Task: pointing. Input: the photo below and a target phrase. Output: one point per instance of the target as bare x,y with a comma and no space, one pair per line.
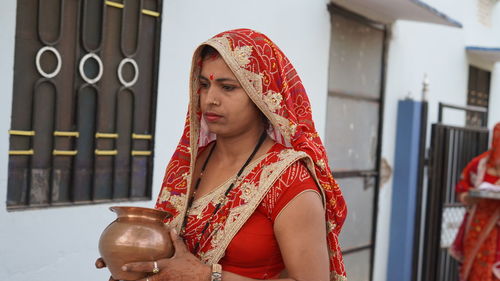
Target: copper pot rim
141,210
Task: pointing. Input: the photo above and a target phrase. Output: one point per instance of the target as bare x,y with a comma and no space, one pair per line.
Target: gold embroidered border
310,166
194,130
335,277
481,170
201,203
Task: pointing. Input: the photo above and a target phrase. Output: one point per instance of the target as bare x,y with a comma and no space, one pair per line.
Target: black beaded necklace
219,205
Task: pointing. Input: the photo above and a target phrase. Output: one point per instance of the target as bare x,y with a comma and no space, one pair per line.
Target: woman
477,245
249,184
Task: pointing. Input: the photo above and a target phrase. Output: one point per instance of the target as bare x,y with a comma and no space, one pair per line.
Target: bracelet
216,272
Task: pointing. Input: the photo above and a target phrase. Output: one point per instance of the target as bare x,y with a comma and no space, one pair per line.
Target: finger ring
155,268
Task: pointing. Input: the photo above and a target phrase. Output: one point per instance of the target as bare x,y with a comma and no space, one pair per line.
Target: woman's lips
212,117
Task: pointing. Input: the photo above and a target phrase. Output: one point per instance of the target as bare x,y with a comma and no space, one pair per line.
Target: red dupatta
494,153
473,174
274,86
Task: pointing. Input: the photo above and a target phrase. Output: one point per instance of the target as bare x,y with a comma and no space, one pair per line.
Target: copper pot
137,235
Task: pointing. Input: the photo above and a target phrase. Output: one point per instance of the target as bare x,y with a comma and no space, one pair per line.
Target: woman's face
226,107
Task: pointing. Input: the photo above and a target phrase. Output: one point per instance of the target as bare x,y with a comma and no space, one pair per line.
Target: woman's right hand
99,263
466,199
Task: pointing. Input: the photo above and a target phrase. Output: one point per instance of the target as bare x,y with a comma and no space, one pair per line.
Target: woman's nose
211,94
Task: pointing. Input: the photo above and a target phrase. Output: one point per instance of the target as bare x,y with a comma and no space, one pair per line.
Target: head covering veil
274,86
494,152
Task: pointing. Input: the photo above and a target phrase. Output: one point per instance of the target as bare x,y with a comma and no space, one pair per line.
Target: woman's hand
99,263
182,266
466,199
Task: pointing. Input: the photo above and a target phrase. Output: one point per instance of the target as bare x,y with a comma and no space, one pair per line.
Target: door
353,133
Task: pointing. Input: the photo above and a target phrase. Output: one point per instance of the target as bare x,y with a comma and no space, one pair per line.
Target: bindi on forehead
216,71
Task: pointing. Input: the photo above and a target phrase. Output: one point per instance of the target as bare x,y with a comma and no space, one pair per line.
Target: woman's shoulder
474,163
294,180
295,170
283,152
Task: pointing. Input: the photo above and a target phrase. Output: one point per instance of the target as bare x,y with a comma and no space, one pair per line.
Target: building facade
356,60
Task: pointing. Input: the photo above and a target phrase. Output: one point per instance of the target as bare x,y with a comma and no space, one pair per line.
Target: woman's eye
228,87
203,85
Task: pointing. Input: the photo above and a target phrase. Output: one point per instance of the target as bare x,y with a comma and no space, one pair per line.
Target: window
478,95
84,102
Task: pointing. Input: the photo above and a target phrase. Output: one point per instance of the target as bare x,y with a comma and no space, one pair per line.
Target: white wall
59,244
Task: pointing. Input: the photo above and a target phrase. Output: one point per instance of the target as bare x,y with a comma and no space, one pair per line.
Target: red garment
254,252
272,83
494,157
481,223
470,173
487,255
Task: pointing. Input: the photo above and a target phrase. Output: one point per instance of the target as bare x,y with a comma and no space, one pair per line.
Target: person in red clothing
249,185
477,245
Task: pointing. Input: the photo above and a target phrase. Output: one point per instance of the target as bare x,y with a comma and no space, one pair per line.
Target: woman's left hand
181,266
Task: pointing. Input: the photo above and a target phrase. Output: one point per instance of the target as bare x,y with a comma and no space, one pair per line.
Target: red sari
240,234
477,244
253,252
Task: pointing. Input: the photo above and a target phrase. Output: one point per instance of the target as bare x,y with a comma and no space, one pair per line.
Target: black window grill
84,102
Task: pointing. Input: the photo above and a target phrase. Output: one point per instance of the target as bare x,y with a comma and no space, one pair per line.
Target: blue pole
404,191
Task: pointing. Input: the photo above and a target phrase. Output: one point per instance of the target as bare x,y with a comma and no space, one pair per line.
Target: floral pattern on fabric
482,262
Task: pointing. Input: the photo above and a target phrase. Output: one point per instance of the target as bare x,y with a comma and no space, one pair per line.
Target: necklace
219,205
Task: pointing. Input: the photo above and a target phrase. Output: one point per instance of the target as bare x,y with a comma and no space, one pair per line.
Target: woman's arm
300,229
466,183
464,198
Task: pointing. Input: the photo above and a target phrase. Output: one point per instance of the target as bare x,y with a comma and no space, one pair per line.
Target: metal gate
452,147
